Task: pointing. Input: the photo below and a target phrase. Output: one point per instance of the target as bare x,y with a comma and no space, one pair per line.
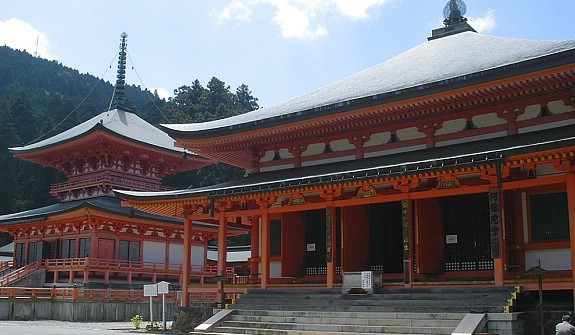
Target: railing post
53,292
75,292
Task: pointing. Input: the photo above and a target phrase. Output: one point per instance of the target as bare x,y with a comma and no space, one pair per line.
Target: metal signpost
163,289
151,291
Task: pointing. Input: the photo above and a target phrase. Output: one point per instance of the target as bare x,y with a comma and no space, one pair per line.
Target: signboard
151,290
450,239
163,287
311,247
366,282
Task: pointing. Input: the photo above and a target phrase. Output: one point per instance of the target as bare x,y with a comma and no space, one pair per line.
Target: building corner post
187,261
570,185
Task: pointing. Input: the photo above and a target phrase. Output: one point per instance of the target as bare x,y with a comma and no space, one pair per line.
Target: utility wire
145,87
77,106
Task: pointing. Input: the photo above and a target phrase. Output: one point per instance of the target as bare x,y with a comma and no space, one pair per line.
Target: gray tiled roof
434,61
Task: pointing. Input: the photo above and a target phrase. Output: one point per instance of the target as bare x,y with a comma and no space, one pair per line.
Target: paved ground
45,327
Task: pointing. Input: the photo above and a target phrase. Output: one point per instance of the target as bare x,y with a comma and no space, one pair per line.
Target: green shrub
137,320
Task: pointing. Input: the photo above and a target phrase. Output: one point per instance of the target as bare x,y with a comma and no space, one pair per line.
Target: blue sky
279,48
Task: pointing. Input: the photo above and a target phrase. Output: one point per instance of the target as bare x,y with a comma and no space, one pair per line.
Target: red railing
80,293
20,273
6,265
108,177
134,266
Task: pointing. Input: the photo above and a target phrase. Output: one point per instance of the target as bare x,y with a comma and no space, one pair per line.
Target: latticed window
68,248
549,216
129,251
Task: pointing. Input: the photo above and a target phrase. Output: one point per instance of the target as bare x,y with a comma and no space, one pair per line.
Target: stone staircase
389,311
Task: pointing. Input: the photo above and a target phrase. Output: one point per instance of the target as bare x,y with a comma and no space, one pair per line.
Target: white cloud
162,92
236,10
357,9
303,19
20,35
484,24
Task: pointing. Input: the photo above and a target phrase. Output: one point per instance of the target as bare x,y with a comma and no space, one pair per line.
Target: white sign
366,282
311,247
151,290
163,287
450,239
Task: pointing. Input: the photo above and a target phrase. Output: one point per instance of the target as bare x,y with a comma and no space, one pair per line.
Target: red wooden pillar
407,219
265,259
255,250
570,181
187,261
222,243
498,247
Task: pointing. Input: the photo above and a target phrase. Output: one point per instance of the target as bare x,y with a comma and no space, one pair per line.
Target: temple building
88,238
451,163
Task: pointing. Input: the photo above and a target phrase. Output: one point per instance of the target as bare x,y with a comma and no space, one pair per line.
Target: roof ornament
453,12
454,20
120,78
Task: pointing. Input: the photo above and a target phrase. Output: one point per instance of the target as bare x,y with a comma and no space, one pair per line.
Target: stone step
387,297
372,302
348,321
353,314
283,332
336,328
258,331
375,308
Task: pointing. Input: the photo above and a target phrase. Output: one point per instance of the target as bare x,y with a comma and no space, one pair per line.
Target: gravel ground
123,326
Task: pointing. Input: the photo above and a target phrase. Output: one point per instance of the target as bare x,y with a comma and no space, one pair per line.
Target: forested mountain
40,98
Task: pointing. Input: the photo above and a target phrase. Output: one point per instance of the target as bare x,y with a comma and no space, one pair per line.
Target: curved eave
39,154
488,151
506,71
44,213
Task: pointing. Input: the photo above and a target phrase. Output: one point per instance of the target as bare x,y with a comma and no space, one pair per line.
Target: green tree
23,117
8,138
245,99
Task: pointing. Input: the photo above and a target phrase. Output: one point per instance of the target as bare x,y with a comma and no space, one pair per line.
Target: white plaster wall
409,134
276,167
377,139
394,151
451,126
275,269
154,252
328,160
470,139
198,256
551,259
176,254
314,149
487,120
549,125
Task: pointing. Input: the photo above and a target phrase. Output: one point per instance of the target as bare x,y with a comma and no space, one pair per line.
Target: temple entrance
385,227
315,257
468,245
453,234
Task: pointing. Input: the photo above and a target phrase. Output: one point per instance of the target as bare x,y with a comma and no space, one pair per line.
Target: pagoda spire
120,78
454,20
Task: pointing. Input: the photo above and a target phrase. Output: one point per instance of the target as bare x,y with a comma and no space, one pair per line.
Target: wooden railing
136,266
20,273
111,177
5,265
80,293
109,264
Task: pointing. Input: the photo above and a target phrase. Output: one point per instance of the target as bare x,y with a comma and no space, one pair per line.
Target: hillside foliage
41,98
